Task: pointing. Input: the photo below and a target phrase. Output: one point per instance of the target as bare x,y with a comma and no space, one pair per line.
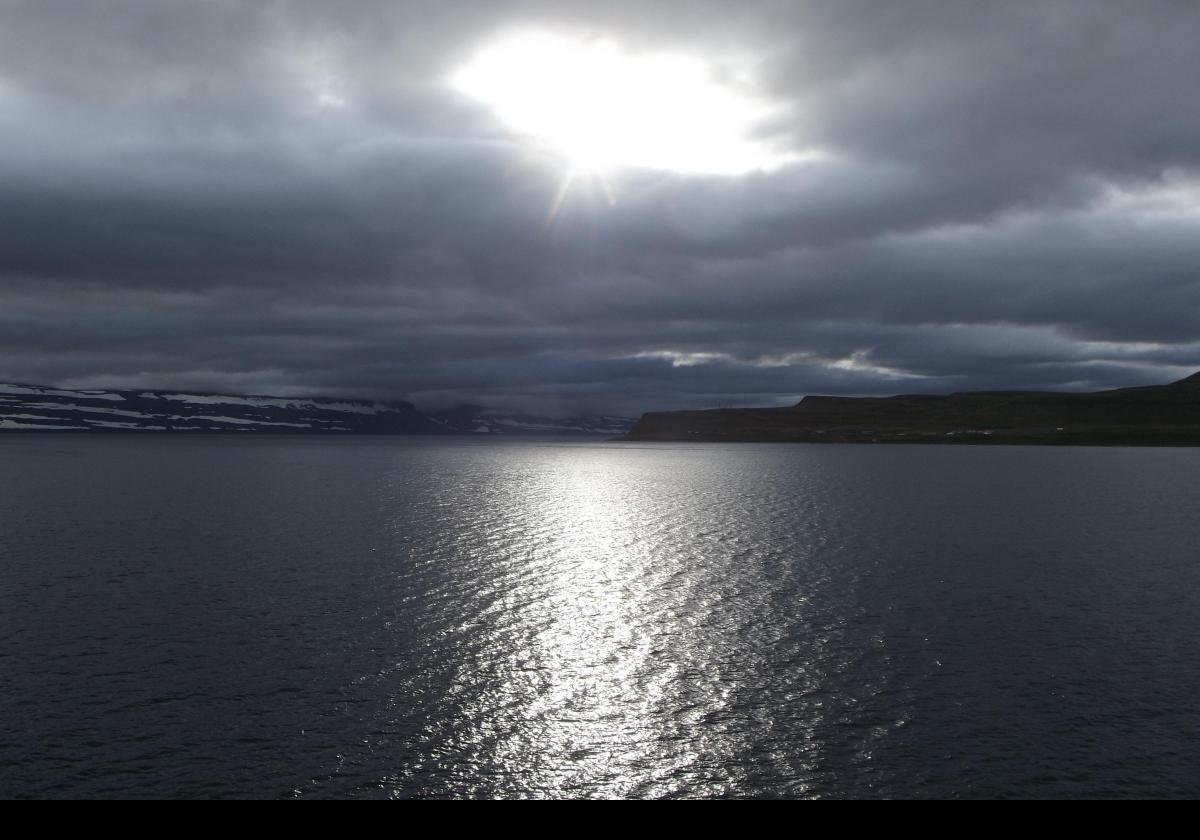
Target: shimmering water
399,618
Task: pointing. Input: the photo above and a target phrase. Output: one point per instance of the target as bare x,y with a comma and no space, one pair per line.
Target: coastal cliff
1151,415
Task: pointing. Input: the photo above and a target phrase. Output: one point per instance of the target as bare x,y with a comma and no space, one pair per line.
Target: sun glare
603,108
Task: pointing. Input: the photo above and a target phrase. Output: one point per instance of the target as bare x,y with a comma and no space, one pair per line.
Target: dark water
399,618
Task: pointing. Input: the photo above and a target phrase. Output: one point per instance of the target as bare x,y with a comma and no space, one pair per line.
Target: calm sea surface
306,617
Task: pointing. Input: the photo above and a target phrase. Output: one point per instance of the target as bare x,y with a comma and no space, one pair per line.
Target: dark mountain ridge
35,408
1146,415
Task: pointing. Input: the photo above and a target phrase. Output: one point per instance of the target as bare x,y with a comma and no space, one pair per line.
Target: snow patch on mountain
32,407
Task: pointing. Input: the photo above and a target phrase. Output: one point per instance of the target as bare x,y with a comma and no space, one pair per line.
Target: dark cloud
289,197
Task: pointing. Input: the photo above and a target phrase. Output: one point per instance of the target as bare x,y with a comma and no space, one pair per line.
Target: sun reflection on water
586,706
593,642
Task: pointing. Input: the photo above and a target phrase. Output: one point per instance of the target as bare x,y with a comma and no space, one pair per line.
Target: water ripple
421,619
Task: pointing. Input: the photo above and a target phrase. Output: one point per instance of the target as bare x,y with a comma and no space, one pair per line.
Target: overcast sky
292,197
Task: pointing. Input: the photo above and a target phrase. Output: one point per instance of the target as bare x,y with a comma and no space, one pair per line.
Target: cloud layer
290,197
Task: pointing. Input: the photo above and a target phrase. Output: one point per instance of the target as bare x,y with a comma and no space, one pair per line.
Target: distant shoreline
45,410
1157,415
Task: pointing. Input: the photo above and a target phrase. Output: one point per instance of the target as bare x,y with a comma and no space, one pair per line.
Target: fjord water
306,617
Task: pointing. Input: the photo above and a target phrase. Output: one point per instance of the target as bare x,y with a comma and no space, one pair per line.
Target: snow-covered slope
35,408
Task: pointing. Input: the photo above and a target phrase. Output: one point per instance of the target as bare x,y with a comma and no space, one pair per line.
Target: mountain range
42,409
1151,415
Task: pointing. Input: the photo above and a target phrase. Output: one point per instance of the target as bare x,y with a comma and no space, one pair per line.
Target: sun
602,108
